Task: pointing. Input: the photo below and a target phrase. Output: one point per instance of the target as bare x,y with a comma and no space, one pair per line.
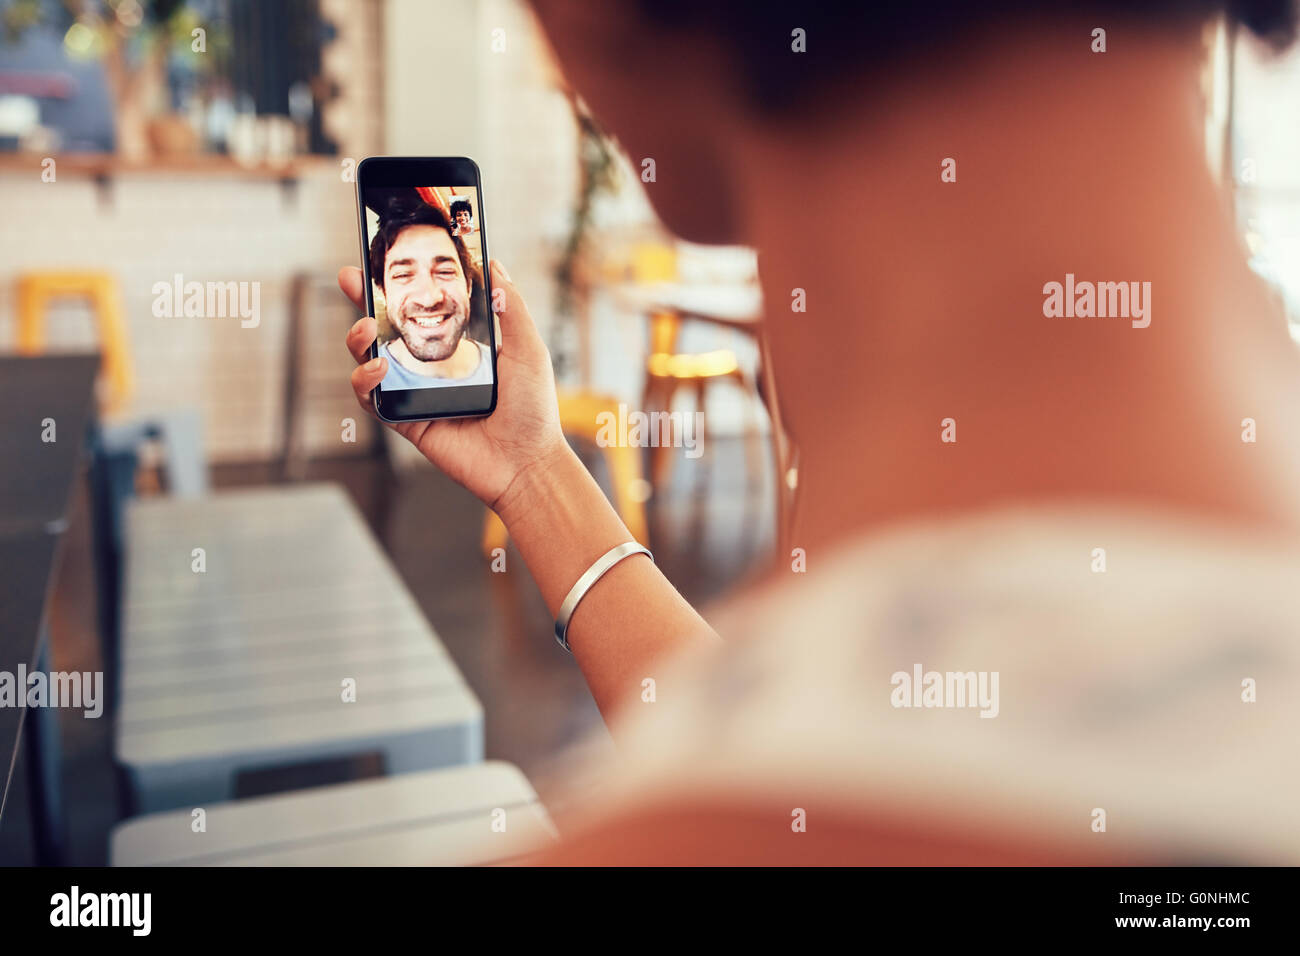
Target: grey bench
241,667
481,814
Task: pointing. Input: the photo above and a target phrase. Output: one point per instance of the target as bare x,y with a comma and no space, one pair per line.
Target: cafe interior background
231,163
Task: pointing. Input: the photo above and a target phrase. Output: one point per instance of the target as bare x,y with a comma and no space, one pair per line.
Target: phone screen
428,286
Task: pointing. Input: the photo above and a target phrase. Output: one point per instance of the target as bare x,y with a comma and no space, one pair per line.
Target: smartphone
424,254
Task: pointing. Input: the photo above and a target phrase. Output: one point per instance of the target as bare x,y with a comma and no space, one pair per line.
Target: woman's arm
518,462
632,617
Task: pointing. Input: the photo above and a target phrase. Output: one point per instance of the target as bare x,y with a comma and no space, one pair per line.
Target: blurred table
37,477
36,485
732,305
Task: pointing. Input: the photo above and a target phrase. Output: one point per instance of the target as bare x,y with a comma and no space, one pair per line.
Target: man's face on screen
426,292
462,220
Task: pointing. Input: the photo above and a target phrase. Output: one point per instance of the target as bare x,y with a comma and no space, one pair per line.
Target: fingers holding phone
370,370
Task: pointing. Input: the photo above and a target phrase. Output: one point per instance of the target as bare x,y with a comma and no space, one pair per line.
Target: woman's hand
486,455
517,461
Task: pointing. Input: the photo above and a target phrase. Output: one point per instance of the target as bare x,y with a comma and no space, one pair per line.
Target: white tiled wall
207,230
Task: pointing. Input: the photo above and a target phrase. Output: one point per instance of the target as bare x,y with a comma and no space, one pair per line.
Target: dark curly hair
849,37
461,205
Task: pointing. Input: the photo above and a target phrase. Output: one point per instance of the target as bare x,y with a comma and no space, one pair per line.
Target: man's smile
428,321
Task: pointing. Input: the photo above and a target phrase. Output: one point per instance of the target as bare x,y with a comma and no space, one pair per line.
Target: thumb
353,285
519,333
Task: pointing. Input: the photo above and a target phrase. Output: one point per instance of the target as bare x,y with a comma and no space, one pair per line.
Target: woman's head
683,82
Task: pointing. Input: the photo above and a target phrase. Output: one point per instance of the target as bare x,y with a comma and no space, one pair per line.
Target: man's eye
447,274
401,275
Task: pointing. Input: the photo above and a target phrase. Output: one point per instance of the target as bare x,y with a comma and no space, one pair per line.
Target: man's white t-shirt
400,377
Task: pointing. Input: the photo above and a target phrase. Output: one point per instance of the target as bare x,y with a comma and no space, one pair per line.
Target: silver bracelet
593,574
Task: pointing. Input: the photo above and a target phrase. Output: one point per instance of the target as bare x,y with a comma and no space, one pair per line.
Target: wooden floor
711,526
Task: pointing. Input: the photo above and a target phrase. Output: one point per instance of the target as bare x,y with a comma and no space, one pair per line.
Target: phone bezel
423,404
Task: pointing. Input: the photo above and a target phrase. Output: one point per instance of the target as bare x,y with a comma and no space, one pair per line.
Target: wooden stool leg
661,455
31,318
113,340
701,406
754,464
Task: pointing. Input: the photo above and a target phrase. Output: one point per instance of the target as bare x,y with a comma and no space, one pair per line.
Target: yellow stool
37,289
579,411
667,370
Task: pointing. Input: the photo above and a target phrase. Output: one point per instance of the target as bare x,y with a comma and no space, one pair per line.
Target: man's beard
427,349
